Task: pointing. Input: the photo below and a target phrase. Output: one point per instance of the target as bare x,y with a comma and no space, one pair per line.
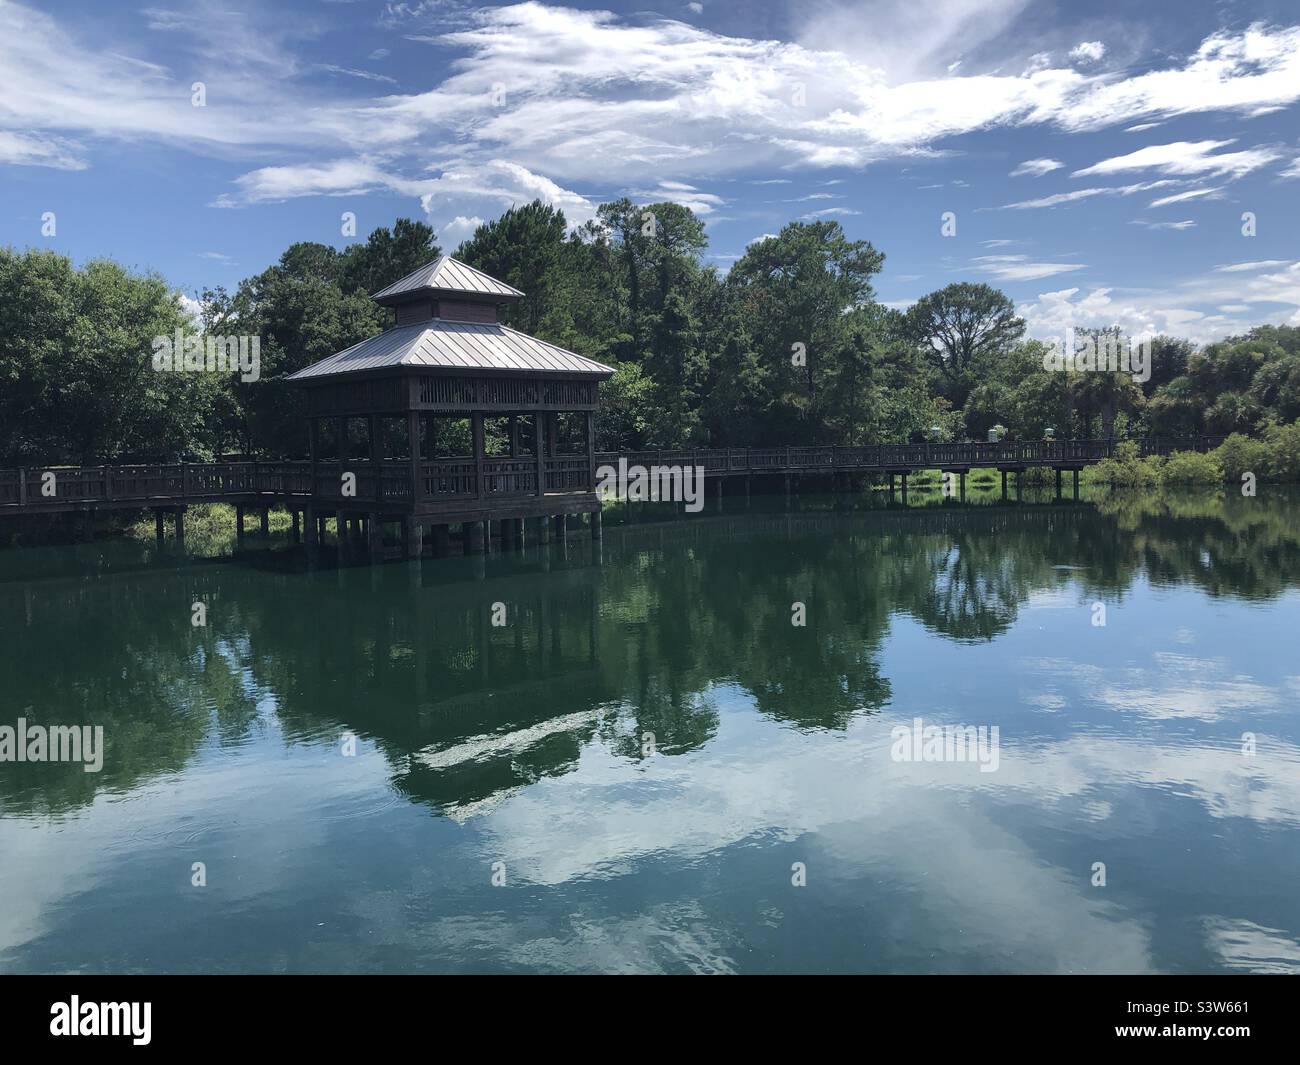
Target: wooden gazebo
452,418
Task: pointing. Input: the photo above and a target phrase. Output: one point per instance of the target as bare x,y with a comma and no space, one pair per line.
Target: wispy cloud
1036,167
1058,198
681,193
1258,264
36,149
1185,157
1021,268
1190,194
828,212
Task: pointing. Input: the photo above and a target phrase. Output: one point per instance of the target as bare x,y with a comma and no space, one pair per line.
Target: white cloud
339,177
1020,267
1190,194
503,184
828,212
1058,198
606,99
701,203
1185,157
1036,167
191,308
33,149
1186,223
1291,171
364,75
1088,52
1259,264
1192,308
458,229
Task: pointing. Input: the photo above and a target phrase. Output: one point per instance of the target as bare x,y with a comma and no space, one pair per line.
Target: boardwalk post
472,534
441,540
595,524
412,537
158,524
543,530
560,528
239,525
296,534
375,529
22,486
1004,484
1058,482
180,526
1075,471
266,523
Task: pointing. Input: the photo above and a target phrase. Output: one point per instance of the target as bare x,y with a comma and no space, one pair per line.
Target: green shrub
1240,454
1283,446
1126,469
1192,467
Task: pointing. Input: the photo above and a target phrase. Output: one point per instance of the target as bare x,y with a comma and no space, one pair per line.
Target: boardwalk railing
458,478
897,457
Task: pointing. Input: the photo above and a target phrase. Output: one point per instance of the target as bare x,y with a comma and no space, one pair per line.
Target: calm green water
523,745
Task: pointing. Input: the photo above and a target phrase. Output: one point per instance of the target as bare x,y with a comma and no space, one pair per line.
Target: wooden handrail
150,484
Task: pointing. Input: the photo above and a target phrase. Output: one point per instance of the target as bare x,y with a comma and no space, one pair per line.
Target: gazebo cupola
446,289
451,416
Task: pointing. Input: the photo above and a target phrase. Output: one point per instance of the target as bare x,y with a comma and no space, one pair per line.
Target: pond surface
649,767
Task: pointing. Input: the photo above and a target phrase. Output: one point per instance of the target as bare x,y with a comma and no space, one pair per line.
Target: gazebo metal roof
451,276
461,347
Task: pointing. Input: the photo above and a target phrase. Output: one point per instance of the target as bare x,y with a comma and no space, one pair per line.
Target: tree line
790,346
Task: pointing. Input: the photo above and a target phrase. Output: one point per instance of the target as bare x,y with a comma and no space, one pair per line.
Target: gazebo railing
510,476
449,478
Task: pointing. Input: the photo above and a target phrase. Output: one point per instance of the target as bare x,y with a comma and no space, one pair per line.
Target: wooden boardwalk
496,482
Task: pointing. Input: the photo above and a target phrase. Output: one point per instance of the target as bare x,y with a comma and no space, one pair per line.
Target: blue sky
1098,158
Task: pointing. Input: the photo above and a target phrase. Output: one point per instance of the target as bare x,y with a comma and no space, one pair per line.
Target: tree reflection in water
643,635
